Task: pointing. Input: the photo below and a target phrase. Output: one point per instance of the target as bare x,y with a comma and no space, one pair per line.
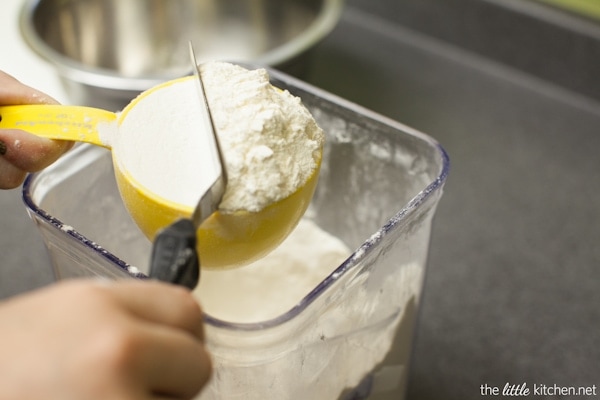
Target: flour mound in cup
271,143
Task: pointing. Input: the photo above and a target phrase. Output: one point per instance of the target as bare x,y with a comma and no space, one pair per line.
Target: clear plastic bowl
351,336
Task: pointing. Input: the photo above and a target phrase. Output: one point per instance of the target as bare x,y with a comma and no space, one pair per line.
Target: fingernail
2,148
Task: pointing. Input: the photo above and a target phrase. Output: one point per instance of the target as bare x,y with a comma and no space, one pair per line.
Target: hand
22,152
94,340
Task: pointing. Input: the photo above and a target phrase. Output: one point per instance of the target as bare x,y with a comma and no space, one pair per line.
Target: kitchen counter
513,287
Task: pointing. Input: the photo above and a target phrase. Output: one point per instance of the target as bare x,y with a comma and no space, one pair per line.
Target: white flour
270,142
272,285
161,142
357,341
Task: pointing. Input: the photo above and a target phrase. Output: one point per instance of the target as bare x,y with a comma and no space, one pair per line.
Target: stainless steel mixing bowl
107,51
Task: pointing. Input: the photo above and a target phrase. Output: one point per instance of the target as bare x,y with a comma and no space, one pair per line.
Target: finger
29,152
161,303
13,92
10,176
174,365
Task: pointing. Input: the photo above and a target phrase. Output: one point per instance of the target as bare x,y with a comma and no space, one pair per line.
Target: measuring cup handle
75,123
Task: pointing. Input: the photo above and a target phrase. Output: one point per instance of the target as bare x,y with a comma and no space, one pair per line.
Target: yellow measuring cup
225,240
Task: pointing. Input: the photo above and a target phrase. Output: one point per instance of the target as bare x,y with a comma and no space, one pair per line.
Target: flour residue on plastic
107,131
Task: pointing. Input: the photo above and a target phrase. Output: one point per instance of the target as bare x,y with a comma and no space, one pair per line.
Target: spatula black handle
174,256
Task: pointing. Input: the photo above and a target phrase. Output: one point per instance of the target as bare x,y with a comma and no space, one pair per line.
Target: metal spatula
174,256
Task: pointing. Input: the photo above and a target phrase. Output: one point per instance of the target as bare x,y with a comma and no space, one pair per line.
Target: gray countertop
513,287
25,264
